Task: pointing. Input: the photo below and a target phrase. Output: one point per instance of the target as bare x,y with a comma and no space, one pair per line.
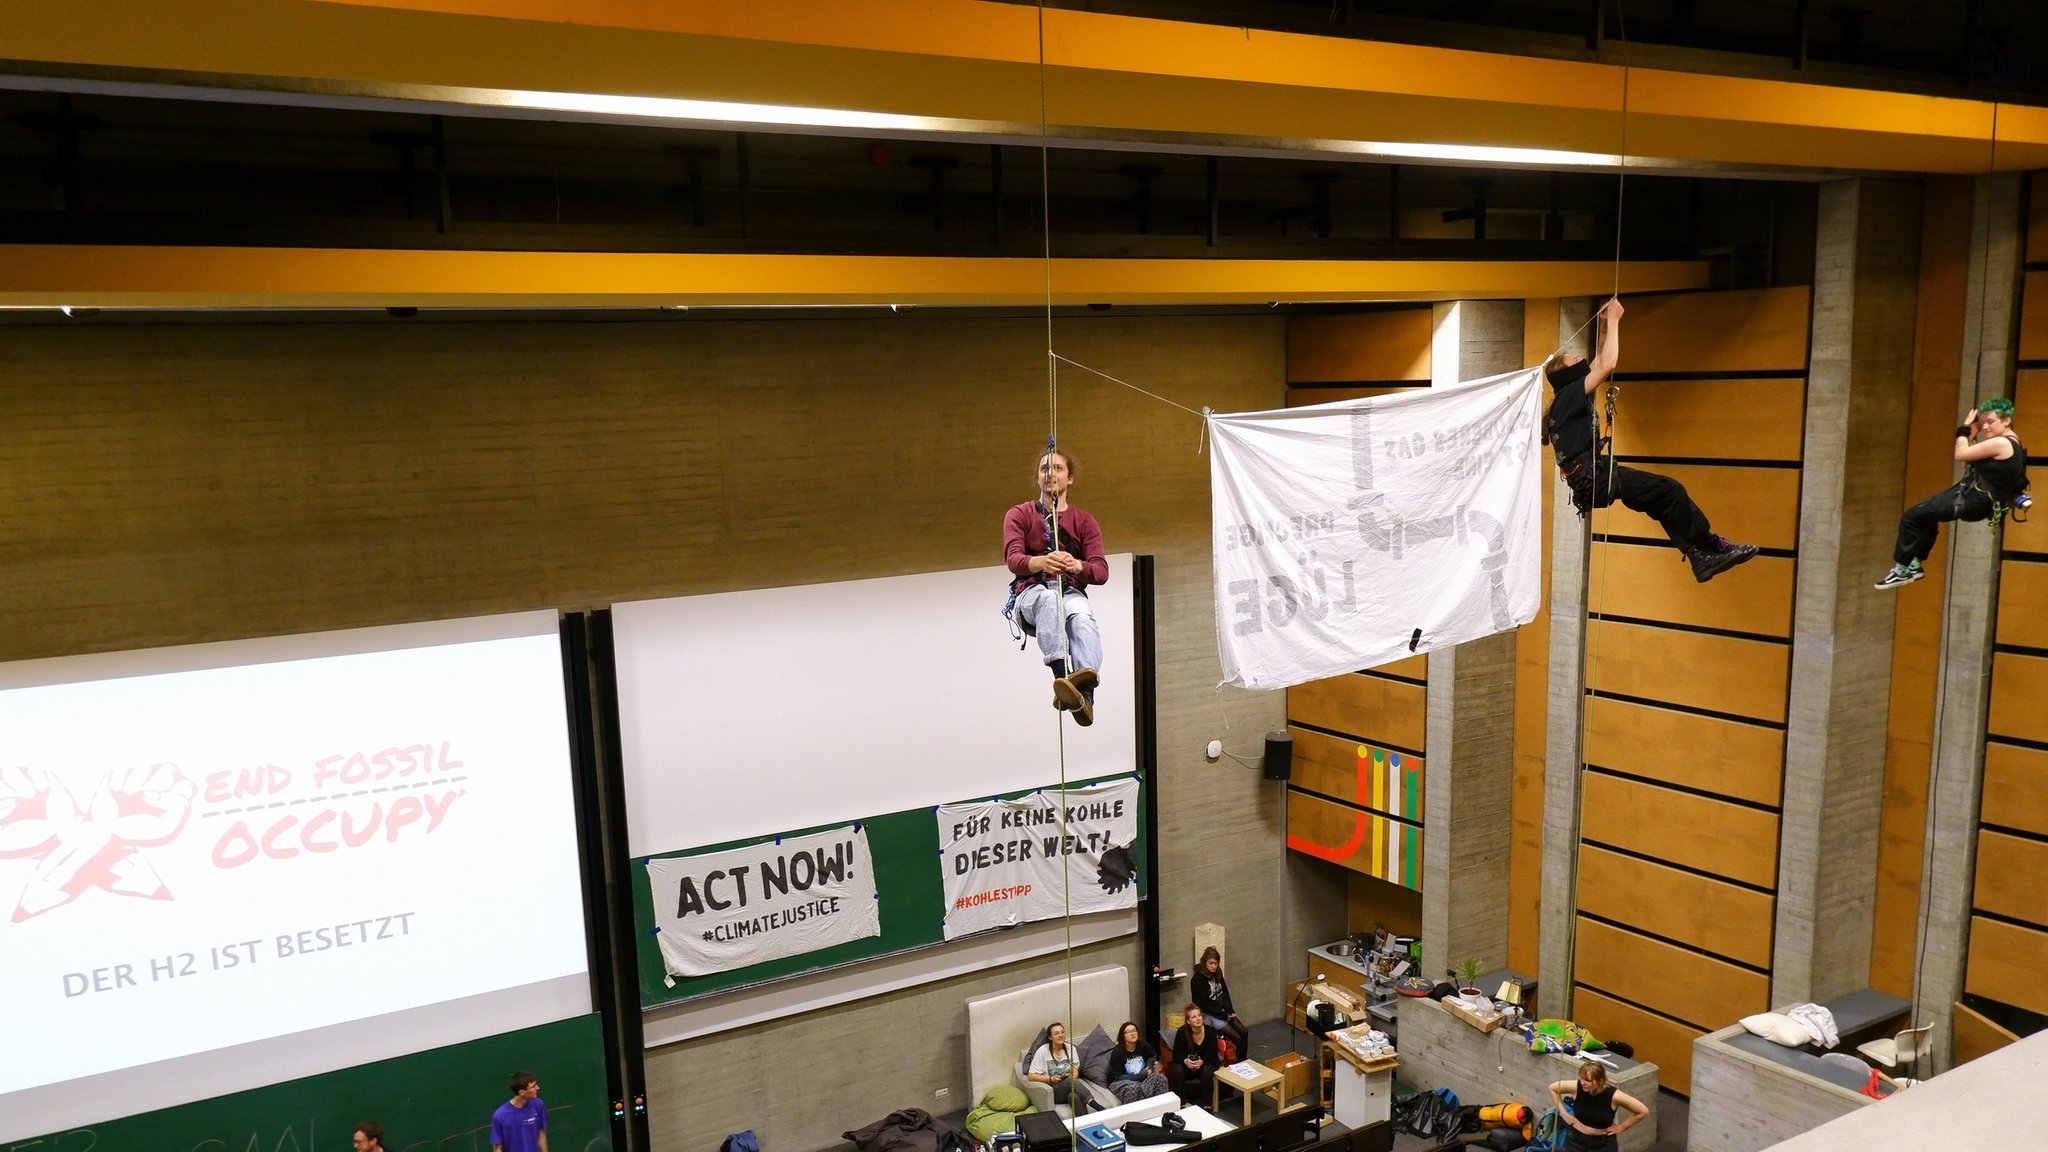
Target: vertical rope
1589,637
1052,399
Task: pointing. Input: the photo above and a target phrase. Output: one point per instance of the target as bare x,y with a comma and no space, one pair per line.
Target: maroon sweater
1024,537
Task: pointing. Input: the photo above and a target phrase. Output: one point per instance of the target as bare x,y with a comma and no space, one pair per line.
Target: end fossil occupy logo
356,799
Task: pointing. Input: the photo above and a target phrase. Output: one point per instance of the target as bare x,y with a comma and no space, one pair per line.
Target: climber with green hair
1994,480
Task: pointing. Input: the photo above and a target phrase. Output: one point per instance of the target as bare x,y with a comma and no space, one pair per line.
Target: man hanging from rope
1055,552
1994,479
1584,460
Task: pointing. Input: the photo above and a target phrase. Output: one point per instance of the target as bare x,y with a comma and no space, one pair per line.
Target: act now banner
743,906
1351,534
1003,859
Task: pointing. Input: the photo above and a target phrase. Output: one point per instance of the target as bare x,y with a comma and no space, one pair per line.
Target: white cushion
1778,1028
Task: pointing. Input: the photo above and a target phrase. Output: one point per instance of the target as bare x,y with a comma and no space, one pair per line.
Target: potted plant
1467,973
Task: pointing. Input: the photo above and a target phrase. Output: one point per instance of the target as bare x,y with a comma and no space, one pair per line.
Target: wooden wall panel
1665,1043
1708,419
1692,669
1977,1034
2031,536
1391,782
1740,760
2007,963
1695,988
1355,839
1410,668
2023,603
1757,506
1711,915
1759,330
1651,583
2037,218
1303,397
2012,879
1361,346
2015,787
1681,828
1370,902
2018,685
2034,319
1384,711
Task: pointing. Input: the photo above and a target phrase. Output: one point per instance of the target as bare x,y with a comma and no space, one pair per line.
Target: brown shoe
1085,714
1066,695
1085,681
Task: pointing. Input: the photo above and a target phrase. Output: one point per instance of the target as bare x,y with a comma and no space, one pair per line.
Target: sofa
1001,1025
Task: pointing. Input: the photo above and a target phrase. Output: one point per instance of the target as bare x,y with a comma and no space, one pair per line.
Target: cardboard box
1295,1071
1485,1022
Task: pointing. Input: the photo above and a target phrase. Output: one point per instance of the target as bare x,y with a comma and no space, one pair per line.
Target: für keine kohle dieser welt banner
1003,858
730,909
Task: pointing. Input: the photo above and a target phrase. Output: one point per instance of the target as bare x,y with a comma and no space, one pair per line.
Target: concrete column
1990,350
1859,384
1469,733
1563,755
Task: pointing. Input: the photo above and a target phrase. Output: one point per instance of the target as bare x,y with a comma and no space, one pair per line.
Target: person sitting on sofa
1134,1073
1194,1053
1054,1063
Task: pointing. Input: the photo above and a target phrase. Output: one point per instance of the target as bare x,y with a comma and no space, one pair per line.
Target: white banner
1352,534
730,909
1001,857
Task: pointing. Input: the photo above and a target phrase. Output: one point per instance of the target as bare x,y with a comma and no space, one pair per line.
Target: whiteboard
753,713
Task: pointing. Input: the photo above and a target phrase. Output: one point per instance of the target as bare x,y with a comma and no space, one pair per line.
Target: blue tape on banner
778,841
654,931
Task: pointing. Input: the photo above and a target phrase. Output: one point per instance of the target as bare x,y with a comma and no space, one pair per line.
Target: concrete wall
174,483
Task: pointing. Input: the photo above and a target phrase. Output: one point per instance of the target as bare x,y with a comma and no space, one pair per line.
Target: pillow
1094,1049
1032,1048
1778,1028
1006,1098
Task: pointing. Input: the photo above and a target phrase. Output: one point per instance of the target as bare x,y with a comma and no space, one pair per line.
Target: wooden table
1249,1077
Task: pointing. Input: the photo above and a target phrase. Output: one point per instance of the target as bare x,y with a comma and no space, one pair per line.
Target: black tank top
1594,1109
2004,478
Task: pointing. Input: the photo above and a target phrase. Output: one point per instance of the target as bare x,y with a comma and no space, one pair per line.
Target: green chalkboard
439,1100
904,845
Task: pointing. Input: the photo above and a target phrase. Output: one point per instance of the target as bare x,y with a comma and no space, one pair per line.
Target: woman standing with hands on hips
1590,1116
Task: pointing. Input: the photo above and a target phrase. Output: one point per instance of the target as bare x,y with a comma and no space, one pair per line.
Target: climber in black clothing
1994,476
1582,459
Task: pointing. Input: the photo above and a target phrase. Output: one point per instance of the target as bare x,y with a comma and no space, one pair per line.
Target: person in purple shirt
1054,553
521,1123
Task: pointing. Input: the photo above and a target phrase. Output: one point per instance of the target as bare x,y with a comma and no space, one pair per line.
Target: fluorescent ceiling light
715,111
1487,154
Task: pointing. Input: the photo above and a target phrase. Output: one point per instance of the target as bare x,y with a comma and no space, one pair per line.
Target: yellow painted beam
106,276
970,67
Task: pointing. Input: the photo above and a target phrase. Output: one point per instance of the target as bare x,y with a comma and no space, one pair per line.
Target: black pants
1921,524
1659,497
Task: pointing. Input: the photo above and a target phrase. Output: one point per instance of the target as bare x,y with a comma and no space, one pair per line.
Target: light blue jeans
1041,604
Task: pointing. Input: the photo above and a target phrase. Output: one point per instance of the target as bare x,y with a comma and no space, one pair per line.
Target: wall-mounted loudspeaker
1279,755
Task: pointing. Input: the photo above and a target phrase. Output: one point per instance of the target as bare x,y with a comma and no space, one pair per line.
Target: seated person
1057,1064
1212,994
1134,1073
1194,1053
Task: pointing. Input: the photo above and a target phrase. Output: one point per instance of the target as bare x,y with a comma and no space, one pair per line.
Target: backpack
1432,1115
1550,1132
741,1142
